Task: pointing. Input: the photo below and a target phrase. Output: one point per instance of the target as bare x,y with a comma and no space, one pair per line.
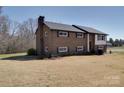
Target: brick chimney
40,20
40,27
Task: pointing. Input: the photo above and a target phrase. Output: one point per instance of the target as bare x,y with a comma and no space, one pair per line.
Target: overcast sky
107,19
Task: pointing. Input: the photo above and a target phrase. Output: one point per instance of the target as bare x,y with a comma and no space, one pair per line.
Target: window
79,35
100,47
101,37
46,49
46,34
80,48
63,34
62,49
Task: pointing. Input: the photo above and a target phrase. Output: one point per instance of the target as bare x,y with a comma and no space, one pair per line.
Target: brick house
61,39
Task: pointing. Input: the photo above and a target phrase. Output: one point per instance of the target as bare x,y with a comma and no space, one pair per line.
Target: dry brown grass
106,70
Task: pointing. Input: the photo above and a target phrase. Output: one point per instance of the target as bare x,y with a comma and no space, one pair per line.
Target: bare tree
4,33
31,25
25,35
12,46
16,37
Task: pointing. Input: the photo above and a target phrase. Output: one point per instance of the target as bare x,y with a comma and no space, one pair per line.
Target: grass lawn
118,47
119,50
11,55
72,71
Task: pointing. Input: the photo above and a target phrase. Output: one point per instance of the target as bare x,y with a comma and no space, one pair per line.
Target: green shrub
92,51
31,51
100,52
49,56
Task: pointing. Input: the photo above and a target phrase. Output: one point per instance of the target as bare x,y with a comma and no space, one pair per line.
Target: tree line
15,36
116,42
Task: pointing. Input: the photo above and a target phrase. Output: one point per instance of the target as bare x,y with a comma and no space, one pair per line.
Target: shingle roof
89,29
60,26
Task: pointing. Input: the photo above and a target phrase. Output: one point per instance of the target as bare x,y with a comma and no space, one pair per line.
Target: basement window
62,49
101,47
80,48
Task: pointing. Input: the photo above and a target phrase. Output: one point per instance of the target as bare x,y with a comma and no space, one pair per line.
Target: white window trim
79,35
101,37
61,51
80,48
64,32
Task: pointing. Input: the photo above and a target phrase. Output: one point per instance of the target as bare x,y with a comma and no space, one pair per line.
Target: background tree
111,41
120,42
116,43
15,36
4,33
26,34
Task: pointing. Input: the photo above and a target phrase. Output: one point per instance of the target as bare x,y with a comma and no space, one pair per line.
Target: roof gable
89,29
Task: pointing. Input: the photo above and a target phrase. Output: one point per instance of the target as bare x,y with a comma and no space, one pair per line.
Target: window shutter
57,50
68,34
57,33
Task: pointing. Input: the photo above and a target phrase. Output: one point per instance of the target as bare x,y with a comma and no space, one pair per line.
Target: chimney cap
41,20
40,17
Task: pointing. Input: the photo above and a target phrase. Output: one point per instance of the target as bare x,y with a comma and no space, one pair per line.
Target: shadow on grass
21,58
28,58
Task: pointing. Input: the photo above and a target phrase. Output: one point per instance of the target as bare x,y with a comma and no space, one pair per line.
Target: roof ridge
58,23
